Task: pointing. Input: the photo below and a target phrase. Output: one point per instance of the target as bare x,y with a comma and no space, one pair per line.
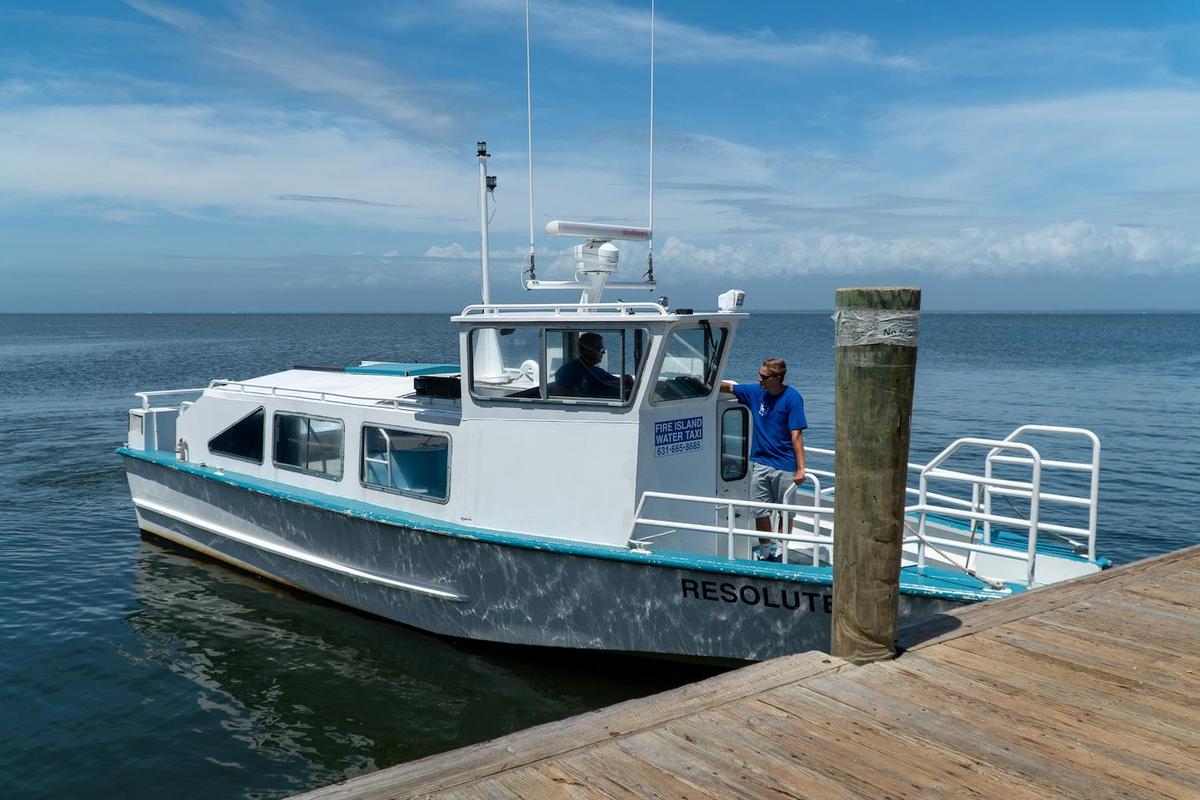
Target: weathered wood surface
873,397
1087,689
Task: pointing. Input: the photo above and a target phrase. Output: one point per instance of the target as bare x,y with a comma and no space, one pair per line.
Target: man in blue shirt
777,452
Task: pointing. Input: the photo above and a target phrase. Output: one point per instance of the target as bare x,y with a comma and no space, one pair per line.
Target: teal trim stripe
403,369
924,582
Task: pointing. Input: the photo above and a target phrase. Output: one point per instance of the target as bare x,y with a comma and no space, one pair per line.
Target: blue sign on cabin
675,436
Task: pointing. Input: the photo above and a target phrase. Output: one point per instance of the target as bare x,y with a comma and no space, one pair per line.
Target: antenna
597,258
532,271
649,276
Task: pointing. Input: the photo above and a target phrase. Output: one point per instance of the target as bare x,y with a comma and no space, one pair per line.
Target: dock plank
749,734
1083,689
1167,718
997,612
970,735
940,764
697,766
623,775
1108,723
1124,752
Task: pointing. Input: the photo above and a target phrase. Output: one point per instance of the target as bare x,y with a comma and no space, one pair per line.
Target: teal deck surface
404,369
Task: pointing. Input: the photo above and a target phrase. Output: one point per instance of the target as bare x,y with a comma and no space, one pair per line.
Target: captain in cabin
583,376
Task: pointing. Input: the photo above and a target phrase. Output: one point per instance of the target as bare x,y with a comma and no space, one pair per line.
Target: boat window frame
362,461
745,454
662,357
303,471
226,429
542,327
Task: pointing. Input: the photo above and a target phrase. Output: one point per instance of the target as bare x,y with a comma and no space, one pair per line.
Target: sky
275,156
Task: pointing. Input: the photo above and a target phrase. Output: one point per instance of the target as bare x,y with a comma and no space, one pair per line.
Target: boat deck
1081,689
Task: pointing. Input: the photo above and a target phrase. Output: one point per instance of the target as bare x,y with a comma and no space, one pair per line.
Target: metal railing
729,529
564,309
1092,468
976,510
935,470
145,396
314,394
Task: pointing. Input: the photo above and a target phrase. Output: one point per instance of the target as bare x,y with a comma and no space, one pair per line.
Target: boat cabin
554,423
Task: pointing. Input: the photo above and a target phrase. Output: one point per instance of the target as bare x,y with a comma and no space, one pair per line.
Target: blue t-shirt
775,417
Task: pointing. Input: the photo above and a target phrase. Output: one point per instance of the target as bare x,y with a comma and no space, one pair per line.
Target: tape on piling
875,326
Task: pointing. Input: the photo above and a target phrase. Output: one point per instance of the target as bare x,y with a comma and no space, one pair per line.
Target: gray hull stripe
300,555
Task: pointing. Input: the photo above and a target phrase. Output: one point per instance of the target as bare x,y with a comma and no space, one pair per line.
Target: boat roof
320,383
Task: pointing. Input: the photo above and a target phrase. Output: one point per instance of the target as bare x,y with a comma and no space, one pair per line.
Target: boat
576,480
501,499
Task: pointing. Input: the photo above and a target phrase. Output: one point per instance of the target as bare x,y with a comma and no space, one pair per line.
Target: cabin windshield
598,365
690,364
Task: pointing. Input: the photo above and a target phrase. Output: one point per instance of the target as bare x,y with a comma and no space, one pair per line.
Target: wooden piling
875,365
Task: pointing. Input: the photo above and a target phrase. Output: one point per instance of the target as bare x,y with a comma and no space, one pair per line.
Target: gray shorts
767,485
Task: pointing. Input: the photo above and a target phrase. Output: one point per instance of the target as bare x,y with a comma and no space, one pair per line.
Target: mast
486,184
488,363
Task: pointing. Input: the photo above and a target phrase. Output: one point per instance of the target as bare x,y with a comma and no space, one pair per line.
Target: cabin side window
243,439
597,366
407,462
309,444
735,443
690,363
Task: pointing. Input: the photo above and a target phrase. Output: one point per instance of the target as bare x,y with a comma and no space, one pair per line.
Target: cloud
1074,248
313,198
454,250
264,41
1138,139
591,28
457,251
216,161
1136,53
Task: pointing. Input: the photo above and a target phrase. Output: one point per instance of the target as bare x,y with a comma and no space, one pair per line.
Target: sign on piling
875,344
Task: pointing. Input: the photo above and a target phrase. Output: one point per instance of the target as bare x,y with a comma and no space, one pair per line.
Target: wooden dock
1089,689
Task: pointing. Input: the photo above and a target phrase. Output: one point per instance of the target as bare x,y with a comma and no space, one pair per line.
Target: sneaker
767,552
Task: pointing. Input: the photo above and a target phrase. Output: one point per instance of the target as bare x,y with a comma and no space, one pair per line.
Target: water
130,669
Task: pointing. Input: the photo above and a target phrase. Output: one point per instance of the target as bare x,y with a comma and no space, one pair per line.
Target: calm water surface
129,669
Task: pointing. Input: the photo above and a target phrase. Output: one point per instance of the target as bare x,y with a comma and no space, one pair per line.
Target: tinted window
243,439
406,461
309,444
505,363
599,364
532,364
735,441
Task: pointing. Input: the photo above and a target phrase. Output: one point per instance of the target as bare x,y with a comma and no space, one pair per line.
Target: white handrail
562,309
313,394
1092,502
145,396
995,445
987,486
729,529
